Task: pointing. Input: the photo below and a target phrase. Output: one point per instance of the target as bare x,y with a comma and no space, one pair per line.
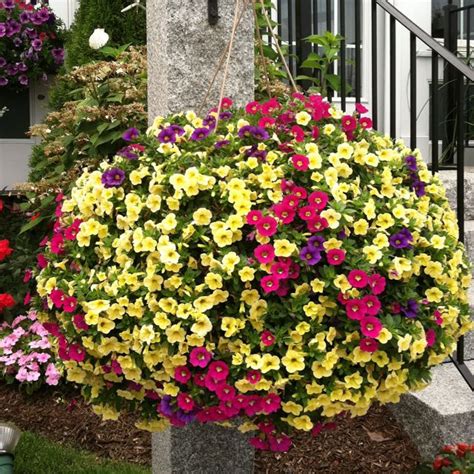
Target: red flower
254,217
182,374
358,278
5,249
267,338
365,122
270,283
318,199
368,345
267,226
356,309
1,205
298,133
252,107
349,123
226,103
6,301
300,162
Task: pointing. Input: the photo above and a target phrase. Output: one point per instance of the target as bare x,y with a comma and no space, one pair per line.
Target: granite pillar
183,52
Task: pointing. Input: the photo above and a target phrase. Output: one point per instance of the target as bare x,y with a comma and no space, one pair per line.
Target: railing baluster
358,61
329,28
374,65
279,18
393,90
342,30
303,30
434,113
413,112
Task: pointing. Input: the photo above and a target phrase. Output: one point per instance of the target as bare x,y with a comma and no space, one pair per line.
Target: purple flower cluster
417,185
311,253
401,240
169,134
30,41
411,309
258,133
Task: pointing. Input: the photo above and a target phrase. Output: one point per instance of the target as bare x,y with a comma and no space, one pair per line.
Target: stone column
183,52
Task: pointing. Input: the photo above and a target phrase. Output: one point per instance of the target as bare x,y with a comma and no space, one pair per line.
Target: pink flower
271,403
182,374
358,278
315,133
267,338
349,123
57,244
318,224
185,402
253,376
318,199
259,443
52,375
69,304
225,392
285,213
280,443
57,297
270,106
366,122
299,192
254,217
27,276
362,109
252,107
280,270
308,213
270,283
368,345
77,353
430,337
264,253
355,309
42,262
267,226
370,326
300,162
377,283
372,304
200,357
266,122
80,322
298,133
218,370
336,256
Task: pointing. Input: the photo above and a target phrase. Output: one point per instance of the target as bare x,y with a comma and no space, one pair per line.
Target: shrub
25,353
286,267
123,28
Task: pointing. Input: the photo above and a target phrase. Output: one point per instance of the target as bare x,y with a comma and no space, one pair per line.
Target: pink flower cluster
26,352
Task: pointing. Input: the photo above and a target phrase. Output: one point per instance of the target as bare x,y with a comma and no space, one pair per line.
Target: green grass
37,455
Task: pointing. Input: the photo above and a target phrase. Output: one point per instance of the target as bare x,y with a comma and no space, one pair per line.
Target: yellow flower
247,274
284,248
202,216
293,361
269,362
292,408
434,295
213,281
360,227
105,325
303,423
303,118
404,343
202,326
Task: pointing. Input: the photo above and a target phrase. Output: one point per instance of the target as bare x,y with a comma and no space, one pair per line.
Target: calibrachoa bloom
25,353
30,43
283,278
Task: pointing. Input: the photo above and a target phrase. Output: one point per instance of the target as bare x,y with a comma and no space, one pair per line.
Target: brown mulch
372,444
61,416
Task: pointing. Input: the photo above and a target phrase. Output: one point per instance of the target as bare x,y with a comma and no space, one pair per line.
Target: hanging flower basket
285,268
31,43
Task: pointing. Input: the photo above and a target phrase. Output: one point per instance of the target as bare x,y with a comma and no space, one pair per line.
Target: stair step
449,180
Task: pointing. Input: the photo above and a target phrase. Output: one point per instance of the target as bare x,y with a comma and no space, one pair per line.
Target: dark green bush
123,28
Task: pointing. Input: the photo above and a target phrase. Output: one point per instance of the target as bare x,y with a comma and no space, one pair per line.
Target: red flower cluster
5,249
456,459
6,301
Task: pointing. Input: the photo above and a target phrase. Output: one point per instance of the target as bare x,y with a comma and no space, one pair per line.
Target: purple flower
130,134
310,255
260,133
167,135
3,62
419,188
113,178
225,115
410,161
3,81
317,242
200,134
22,67
24,17
37,44
178,130
23,79
3,30
58,55
185,418
9,4
401,240
246,131
165,406
221,144
209,121
411,309
128,152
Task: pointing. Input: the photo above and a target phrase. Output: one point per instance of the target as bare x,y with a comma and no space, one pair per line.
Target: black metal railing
298,19
458,75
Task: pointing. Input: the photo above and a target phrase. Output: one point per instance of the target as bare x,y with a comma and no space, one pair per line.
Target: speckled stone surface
183,51
449,180
202,449
443,413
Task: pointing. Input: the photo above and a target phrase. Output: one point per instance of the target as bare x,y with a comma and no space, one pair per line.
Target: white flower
98,39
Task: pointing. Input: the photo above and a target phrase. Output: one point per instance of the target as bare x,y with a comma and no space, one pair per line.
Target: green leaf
31,224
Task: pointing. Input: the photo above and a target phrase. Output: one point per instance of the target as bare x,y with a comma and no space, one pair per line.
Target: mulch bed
371,444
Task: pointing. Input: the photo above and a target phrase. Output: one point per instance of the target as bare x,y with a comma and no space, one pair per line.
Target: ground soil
371,444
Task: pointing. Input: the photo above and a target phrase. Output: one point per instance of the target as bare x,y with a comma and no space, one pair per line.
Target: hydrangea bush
285,265
31,42
25,353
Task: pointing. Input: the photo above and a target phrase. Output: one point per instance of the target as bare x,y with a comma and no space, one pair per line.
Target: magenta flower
80,322
280,270
271,403
264,253
69,304
270,283
225,392
57,297
349,123
130,134
185,402
373,305
77,353
280,443
253,376
254,217
370,326
368,345
267,226
358,278
200,357
356,309
318,199
267,338
300,162
182,374
377,283
430,337
218,370
336,256
285,213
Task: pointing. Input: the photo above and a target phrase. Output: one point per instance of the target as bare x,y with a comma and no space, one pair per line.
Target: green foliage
327,48
36,454
123,28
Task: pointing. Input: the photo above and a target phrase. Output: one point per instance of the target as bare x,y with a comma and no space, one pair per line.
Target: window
437,22
16,121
